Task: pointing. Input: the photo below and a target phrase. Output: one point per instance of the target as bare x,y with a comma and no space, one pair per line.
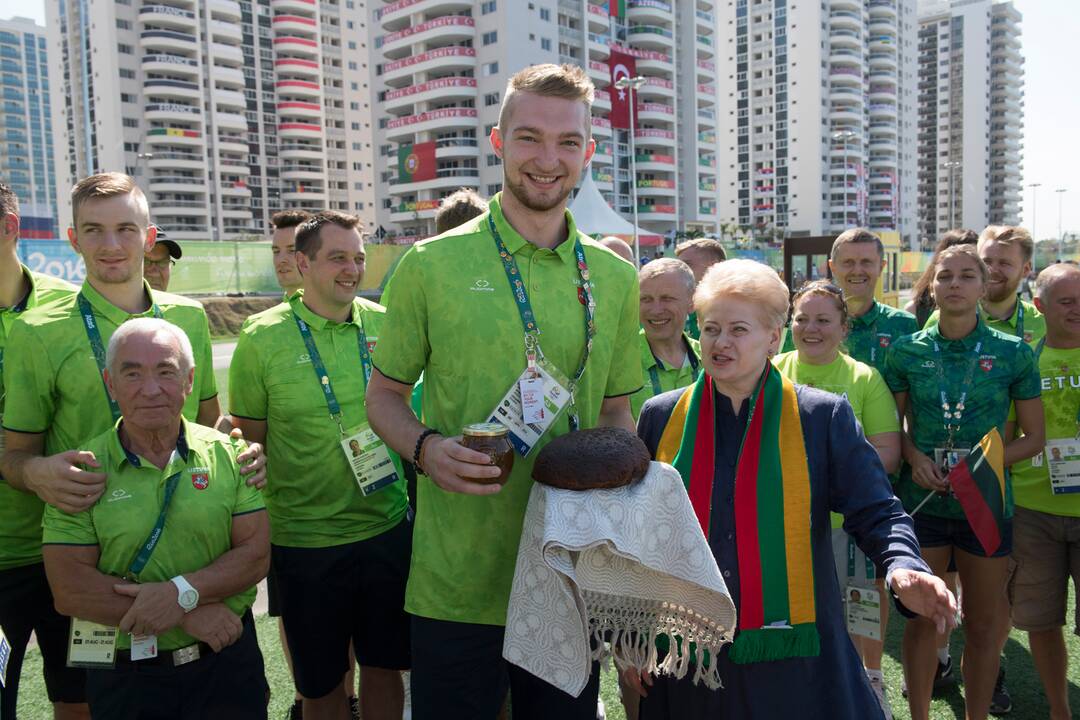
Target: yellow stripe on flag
673,431
994,451
800,570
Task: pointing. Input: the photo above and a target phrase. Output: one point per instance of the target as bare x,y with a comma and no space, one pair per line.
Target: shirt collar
515,242
112,312
296,302
1012,319
125,455
652,361
30,299
870,316
968,341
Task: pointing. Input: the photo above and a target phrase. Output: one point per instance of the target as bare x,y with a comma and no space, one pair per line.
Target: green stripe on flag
770,499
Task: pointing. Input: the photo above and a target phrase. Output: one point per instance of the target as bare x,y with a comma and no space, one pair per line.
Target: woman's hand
926,473
636,680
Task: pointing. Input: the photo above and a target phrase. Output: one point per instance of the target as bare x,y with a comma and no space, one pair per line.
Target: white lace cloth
624,565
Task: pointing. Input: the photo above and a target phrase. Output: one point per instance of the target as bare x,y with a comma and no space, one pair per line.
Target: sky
1050,32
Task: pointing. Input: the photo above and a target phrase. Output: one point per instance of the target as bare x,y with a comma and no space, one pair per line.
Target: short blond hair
548,80
708,245
856,235
1008,235
1050,275
664,266
745,280
106,185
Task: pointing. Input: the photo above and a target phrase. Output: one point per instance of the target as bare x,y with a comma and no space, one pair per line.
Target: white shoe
877,682
601,712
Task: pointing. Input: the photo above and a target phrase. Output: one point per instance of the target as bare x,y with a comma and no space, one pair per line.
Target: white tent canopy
594,216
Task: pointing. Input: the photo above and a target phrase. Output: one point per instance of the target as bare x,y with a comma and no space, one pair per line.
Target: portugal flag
622,65
416,162
979,484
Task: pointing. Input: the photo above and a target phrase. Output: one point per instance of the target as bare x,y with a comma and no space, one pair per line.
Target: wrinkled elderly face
157,267
736,338
148,380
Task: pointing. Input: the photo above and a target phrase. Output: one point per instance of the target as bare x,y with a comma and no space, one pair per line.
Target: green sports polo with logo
1025,318
210,492
658,377
20,513
311,493
1060,373
874,331
452,316
1002,370
53,385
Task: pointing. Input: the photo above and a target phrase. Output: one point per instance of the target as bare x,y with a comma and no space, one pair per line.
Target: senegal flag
979,484
416,162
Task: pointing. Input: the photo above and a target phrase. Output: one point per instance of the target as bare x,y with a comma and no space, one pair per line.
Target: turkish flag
622,65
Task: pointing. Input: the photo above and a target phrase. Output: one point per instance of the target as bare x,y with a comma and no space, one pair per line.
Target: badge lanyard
654,376
147,549
954,413
528,319
94,335
873,336
320,369
1019,318
870,572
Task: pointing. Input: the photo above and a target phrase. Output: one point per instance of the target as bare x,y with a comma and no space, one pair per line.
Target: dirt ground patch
227,314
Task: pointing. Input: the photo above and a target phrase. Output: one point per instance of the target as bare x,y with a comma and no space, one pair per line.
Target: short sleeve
248,498
879,407
1027,384
894,373
247,391
60,528
624,377
204,360
29,382
403,348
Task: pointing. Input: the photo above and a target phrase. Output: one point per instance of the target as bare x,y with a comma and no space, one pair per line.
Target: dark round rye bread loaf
593,459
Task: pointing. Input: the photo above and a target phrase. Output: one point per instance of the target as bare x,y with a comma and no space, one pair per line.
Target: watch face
188,598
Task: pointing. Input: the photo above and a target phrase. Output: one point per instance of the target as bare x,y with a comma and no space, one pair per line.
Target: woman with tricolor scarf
764,462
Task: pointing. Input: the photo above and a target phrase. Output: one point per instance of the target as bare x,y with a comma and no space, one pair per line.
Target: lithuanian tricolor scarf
772,512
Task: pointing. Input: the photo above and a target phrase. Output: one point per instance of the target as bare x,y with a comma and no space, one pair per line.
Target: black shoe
1001,701
296,712
354,707
944,677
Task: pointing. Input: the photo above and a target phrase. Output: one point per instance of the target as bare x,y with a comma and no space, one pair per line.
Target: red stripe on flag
703,467
751,599
978,512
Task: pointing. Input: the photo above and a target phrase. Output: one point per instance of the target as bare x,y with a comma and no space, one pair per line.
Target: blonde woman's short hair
745,280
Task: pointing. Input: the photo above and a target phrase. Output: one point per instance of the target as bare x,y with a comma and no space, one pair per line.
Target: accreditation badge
369,459
528,418
5,656
1063,460
863,611
91,645
143,647
948,458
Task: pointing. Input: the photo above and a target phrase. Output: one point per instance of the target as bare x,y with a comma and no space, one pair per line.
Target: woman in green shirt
819,325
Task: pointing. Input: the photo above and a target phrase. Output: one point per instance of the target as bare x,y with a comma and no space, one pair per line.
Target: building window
491,99
487,7
123,24
491,68
125,49
545,43
492,189
490,37
493,160
131,122
127,74
545,14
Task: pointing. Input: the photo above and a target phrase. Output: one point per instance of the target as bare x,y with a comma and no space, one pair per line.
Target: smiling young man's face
856,268
545,146
112,235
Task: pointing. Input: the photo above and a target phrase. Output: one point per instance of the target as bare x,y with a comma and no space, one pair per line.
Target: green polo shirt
874,331
691,327
198,524
452,316
20,513
1060,373
311,494
660,378
1003,371
53,385
1034,324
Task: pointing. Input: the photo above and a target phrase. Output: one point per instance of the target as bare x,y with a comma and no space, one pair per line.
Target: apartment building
26,141
818,127
971,116
225,111
441,67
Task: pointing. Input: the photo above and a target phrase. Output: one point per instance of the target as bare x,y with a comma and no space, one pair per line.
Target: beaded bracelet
419,444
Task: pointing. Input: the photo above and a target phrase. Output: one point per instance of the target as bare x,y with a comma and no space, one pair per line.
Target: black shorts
229,684
933,531
273,597
26,604
331,596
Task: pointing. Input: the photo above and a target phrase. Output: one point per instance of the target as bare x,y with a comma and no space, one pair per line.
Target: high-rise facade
26,141
818,129
441,67
971,116
224,111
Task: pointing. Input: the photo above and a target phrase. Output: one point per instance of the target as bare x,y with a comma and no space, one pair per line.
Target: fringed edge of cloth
626,630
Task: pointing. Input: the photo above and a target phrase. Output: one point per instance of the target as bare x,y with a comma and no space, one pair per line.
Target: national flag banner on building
417,162
617,8
978,482
622,65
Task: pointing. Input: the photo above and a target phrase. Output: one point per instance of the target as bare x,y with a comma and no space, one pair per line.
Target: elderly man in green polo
669,357
159,574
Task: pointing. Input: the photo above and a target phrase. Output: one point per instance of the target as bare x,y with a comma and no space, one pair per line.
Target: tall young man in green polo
283,248
26,604
463,308
340,530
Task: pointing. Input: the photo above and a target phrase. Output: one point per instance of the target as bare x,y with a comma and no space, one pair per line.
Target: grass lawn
1023,682
222,377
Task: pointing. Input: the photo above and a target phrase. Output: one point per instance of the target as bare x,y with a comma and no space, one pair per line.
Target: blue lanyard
320,369
528,318
98,347
147,549
1019,318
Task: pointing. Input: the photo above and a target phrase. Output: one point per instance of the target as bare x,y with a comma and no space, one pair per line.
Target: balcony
170,207
448,28
654,162
655,112
167,17
395,15
445,178
598,18
652,137
656,89
226,32
295,24
231,143
601,127
300,151
172,111
171,64
442,59
651,37
166,40
225,10
176,136
296,46
295,109
648,11
170,159
440,90
304,7
599,73
178,183
436,120
846,20
156,88
457,147
301,171
229,55
655,187
658,212
298,88
298,67
300,130
706,69
230,120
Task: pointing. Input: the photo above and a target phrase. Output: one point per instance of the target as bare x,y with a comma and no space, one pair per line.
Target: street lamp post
632,84
1034,199
1061,238
950,166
